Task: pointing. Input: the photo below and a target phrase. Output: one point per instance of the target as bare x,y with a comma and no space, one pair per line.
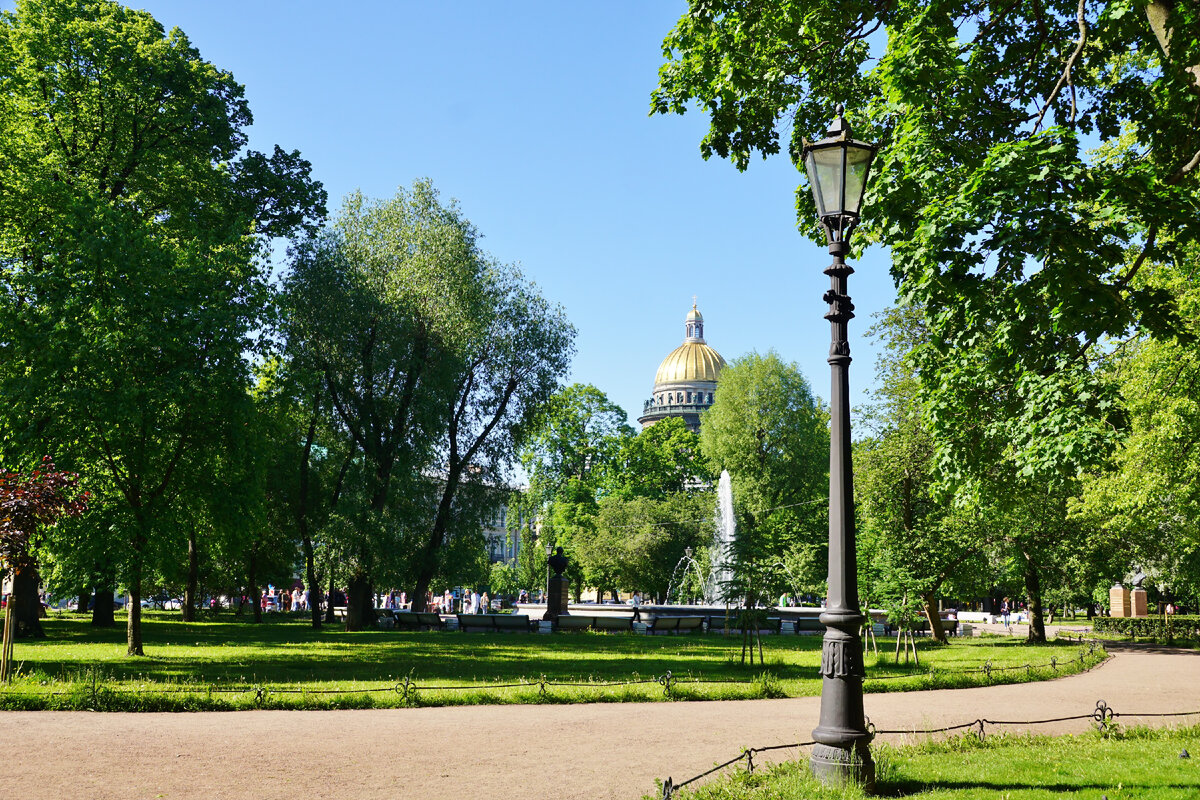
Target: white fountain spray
722,550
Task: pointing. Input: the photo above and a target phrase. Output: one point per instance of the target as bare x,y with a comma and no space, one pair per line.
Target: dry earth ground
577,751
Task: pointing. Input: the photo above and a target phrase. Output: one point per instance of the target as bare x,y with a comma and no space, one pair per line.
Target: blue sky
534,116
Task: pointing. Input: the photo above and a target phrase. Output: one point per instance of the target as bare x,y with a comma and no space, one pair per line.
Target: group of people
294,599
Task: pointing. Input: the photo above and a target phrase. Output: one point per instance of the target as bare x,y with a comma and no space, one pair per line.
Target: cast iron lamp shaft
842,753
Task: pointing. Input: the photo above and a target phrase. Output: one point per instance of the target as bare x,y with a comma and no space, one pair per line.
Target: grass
230,664
1136,763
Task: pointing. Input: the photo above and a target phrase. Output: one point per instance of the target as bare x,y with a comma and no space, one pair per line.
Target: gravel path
599,751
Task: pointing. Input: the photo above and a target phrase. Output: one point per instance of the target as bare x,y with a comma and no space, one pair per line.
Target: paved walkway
599,751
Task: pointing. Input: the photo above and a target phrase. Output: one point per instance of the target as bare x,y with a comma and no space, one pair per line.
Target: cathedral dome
686,378
691,361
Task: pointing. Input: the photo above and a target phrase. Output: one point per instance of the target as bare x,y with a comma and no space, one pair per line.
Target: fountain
716,607
722,550
689,566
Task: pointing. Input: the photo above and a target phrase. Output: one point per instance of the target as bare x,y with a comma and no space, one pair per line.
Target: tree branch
1066,75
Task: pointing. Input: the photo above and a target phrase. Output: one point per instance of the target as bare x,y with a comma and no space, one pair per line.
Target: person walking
636,602
1005,611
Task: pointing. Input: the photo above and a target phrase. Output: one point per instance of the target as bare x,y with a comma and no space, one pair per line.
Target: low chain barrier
1103,715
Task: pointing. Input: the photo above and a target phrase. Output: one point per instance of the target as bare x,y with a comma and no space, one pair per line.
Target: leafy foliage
34,501
766,428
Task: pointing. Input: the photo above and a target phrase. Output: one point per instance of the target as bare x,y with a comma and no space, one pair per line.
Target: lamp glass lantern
838,167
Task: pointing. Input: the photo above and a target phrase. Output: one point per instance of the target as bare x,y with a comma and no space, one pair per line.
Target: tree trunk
329,618
419,592
314,588
81,602
310,569
193,576
25,603
359,608
1033,587
103,613
1159,13
935,621
255,594
133,610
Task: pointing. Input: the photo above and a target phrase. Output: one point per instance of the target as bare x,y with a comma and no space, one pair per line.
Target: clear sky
534,116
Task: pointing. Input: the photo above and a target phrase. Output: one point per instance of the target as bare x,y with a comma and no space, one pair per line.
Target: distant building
686,379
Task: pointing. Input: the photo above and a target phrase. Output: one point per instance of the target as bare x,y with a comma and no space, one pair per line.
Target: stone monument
1137,597
1118,601
557,590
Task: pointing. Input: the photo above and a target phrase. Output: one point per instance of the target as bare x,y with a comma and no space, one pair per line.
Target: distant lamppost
549,572
837,169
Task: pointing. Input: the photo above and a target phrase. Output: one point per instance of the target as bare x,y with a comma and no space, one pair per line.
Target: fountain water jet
688,564
722,549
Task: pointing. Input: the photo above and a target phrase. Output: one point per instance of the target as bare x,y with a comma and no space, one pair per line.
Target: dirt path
599,751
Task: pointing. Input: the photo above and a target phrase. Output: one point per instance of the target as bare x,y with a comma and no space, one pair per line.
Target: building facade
686,379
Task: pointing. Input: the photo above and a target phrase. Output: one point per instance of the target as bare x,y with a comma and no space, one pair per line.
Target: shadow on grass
903,788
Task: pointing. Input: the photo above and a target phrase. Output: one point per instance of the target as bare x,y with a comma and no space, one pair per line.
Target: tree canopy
1021,245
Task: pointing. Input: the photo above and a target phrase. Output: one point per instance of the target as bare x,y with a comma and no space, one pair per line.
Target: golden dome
695,314
691,361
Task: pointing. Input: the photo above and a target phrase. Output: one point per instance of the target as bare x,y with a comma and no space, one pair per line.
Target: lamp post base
838,766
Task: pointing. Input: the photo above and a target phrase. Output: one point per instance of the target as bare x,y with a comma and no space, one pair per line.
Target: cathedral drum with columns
686,379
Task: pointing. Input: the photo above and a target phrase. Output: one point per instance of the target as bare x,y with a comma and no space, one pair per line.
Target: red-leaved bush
29,501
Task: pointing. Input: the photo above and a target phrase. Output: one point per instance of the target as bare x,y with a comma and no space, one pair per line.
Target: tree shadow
907,788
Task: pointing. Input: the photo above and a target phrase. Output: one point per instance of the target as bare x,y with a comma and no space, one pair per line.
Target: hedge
1160,628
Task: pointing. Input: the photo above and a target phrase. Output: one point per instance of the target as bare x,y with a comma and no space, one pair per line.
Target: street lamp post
837,169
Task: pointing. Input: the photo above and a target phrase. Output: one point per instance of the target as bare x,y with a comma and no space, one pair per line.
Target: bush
1162,629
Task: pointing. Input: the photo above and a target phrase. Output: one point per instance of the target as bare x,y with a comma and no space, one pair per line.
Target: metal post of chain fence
981,733
1103,715
668,790
542,686
750,761
665,681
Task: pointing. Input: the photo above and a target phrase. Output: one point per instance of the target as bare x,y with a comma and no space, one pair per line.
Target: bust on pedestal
556,591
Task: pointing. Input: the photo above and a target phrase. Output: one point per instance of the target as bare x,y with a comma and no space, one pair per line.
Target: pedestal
1137,603
557,597
1118,601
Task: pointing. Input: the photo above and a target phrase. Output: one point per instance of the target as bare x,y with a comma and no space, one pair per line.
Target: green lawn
283,663
1137,764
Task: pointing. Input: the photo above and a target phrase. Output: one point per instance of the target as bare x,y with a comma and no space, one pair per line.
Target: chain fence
1103,715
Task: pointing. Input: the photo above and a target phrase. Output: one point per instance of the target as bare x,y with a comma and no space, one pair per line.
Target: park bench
418,621
807,625
613,623
674,624
575,622
518,623
769,625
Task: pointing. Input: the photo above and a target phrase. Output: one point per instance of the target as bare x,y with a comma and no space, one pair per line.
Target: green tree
768,430
662,460
1025,248
130,227
520,351
1148,501
380,305
567,450
639,540
913,535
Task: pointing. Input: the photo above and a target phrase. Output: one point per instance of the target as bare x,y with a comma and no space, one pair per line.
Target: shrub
1162,628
